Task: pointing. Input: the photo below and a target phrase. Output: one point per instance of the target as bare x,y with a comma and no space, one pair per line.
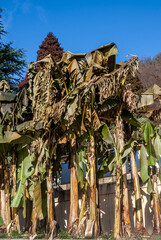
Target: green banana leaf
143,164
128,148
25,172
106,135
157,146
149,186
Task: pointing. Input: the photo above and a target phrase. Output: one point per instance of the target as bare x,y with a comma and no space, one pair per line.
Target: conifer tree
50,46
12,60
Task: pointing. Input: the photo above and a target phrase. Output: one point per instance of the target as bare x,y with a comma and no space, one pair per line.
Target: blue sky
83,25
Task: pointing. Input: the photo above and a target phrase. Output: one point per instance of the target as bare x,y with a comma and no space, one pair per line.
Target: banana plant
149,157
115,162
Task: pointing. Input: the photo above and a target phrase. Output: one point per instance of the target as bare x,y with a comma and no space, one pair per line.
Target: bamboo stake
73,214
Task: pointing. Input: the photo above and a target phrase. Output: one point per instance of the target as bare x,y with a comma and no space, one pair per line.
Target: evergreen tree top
50,45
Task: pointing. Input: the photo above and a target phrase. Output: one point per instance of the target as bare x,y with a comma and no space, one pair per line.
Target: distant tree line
150,71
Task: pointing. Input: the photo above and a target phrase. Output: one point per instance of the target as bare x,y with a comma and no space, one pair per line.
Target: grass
65,235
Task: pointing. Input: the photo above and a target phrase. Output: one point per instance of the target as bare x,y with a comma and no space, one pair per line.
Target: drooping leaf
72,108
107,165
128,147
9,136
157,146
106,135
26,171
152,160
148,133
143,164
149,186
129,117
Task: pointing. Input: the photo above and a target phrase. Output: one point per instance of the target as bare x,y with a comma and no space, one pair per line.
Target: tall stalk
83,205
93,205
118,147
117,226
126,207
34,219
73,214
15,216
138,205
156,206
7,194
3,205
125,202
50,210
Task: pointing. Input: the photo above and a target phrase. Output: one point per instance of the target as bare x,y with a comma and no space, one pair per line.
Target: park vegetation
80,107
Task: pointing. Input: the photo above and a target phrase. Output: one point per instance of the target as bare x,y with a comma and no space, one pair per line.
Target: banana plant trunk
156,206
118,192
83,206
73,214
3,195
50,209
15,216
7,195
117,226
34,219
93,193
126,207
139,227
3,205
125,200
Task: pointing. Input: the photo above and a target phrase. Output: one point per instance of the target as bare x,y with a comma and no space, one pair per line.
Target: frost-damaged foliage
80,108
63,91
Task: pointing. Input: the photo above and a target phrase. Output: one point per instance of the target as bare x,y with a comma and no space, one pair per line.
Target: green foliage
2,31
148,133
1,221
150,186
25,172
157,146
143,164
128,148
12,64
12,61
106,135
64,235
